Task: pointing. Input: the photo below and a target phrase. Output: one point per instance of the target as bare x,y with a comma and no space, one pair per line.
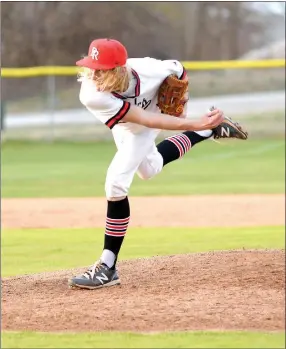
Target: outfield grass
132,340
52,249
79,169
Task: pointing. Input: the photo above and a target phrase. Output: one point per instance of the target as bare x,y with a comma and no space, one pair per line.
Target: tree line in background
58,33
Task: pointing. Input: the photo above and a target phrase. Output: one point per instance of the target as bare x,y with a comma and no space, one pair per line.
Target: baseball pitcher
137,98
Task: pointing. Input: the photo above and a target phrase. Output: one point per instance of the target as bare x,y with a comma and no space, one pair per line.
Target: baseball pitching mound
219,290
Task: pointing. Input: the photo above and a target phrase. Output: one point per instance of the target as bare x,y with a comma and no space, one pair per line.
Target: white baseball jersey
136,149
147,76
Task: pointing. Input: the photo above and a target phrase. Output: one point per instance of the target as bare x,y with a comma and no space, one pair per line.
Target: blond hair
111,80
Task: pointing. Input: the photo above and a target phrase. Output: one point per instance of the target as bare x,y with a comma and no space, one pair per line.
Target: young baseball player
123,94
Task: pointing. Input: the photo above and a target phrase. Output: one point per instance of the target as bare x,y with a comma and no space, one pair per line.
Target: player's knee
151,166
148,171
145,175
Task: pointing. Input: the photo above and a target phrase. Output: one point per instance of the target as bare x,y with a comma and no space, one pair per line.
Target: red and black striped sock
174,147
117,220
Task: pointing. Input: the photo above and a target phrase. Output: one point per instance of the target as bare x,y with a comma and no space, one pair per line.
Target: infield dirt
163,211
223,290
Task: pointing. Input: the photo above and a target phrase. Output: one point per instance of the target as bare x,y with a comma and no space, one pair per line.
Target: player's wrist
195,125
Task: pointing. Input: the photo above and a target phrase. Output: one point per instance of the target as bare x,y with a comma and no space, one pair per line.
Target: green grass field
135,340
55,249
78,169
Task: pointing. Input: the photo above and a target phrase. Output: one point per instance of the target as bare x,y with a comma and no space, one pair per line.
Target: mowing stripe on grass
78,170
198,339
26,251
229,153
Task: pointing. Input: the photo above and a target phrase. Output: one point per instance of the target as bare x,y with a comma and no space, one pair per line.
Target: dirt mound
218,290
167,211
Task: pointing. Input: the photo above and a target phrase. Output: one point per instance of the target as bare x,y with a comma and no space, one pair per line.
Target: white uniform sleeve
104,106
150,67
174,67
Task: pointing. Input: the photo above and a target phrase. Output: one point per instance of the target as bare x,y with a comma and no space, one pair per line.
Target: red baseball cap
104,54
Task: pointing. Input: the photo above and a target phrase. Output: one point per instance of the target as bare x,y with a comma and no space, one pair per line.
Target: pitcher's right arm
111,110
142,117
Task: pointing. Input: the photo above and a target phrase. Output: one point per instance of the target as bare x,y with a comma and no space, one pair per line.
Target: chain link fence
48,107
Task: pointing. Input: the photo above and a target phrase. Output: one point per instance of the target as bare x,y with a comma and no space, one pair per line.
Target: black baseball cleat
229,129
97,276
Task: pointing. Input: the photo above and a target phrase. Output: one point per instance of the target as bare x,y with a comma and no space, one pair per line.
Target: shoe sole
109,284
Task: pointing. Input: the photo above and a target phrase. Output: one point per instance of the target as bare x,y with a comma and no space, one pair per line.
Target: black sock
174,147
118,213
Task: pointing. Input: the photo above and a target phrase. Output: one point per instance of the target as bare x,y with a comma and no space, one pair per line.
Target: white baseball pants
135,153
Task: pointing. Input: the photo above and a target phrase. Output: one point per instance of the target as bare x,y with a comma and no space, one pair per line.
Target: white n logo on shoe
102,278
225,131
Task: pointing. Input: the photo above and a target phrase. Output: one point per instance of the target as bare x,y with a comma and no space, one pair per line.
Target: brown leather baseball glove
172,95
